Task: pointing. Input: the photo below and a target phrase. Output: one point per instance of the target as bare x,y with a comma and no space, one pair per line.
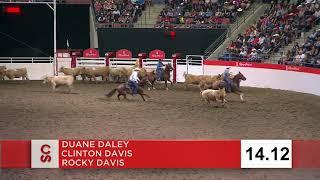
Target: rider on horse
227,79
159,70
134,80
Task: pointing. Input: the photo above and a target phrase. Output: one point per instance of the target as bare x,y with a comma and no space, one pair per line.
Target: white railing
26,59
122,62
90,62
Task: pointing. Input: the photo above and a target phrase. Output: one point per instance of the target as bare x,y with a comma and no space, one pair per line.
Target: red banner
265,66
124,53
157,54
91,53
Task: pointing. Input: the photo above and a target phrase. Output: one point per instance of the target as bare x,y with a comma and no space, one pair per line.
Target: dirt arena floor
31,111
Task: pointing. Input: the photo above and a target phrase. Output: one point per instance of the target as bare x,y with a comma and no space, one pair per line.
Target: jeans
229,84
134,87
159,74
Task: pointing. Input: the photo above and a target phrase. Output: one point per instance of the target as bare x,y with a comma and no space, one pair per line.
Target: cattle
205,81
201,80
214,95
95,72
57,81
70,71
2,72
119,74
17,73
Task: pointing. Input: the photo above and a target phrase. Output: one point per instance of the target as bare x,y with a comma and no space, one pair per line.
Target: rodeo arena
171,71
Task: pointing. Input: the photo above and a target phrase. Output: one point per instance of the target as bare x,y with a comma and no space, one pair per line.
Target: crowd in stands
201,12
279,26
307,54
117,11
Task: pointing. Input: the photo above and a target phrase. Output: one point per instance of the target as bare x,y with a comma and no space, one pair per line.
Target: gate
193,64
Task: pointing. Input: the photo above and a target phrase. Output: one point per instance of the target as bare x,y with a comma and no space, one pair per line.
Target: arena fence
26,60
275,76
90,62
122,62
37,67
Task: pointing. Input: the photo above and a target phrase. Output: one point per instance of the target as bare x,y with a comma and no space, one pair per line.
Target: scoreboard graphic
229,154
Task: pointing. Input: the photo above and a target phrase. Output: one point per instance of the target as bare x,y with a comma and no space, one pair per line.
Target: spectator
278,27
117,11
202,11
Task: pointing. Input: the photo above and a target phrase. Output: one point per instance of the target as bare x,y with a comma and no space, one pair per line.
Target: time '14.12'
277,153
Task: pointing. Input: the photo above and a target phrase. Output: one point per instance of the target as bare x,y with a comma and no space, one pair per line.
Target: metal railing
26,59
162,25
241,19
215,44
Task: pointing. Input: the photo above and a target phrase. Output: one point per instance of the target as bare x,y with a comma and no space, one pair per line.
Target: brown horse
152,76
124,89
166,74
235,87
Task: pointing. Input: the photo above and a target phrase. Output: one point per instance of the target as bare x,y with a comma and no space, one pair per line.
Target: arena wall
140,40
293,78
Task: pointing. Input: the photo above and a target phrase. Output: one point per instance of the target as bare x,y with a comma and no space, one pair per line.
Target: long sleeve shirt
134,76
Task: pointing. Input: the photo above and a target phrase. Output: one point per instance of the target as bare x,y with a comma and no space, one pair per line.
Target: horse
166,74
124,89
235,87
152,78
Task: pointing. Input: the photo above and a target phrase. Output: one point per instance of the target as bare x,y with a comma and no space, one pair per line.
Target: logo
44,153
89,53
124,54
293,68
45,150
157,54
246,64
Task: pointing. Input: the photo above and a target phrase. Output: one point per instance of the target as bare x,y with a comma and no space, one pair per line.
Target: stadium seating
279,26
307,54
115,12
188,13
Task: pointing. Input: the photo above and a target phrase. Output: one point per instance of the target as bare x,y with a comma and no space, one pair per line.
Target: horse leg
170,82
240,95
145,95
121,94
125,96
142,97
165,81
154,80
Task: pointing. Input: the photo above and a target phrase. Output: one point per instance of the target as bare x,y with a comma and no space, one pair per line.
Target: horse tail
111,93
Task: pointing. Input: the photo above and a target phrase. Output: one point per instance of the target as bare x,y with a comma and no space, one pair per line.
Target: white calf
214,95
57,81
